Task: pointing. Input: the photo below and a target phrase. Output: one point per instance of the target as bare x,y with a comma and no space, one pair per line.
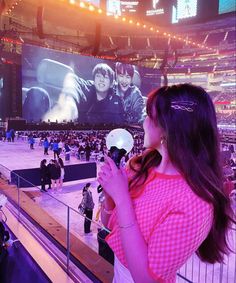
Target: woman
61,164
172,193
88,204
55,173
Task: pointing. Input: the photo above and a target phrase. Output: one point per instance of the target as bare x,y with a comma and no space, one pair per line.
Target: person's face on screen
102,83
124,81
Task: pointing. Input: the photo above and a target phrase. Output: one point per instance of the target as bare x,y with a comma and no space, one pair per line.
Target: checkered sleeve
174,240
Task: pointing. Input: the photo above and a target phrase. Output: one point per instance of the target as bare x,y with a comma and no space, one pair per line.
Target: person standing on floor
43,174
55,149
45,146
31,141
67,151
61,163
8,136
87,151
89,206
12,132
55,173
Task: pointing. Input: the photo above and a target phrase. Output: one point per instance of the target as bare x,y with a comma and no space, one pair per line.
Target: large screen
227,6
164,13
92,2
156,7
122,8
59,86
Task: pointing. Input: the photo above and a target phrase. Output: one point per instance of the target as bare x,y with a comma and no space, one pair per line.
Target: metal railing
194,271
69,216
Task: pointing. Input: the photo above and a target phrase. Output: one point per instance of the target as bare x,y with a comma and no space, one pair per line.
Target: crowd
52,174
81,144
87,145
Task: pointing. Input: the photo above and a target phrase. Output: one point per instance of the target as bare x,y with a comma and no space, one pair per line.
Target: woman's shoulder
174,189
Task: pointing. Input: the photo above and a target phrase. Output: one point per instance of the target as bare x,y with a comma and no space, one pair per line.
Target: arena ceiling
60,25
64,19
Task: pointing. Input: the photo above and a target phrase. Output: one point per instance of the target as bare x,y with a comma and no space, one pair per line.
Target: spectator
169,202
44,175
89,206
87,152
61,163
56,149
55,173
45,146
31,141
67,152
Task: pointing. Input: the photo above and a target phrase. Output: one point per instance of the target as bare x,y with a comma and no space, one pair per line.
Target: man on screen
131,95
89,101
103,105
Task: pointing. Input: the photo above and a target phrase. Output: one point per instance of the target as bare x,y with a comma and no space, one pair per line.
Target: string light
82,5
138,24
12,7
91,8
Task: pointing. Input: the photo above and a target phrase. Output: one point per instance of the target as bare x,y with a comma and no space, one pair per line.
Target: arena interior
50,54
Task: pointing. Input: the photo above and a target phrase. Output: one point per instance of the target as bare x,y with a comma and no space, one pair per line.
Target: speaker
97,39
2,6
39,21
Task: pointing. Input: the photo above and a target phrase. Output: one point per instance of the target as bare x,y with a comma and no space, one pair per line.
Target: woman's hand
113,180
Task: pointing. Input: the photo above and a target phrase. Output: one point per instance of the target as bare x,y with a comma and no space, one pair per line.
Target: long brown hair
187,116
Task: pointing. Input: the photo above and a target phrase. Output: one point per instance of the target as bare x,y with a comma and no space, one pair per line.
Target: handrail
66,205
191,265
91,269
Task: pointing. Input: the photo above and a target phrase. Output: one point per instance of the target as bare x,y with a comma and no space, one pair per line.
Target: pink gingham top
173,221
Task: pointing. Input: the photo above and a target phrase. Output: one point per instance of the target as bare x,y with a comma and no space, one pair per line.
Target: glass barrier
67,227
